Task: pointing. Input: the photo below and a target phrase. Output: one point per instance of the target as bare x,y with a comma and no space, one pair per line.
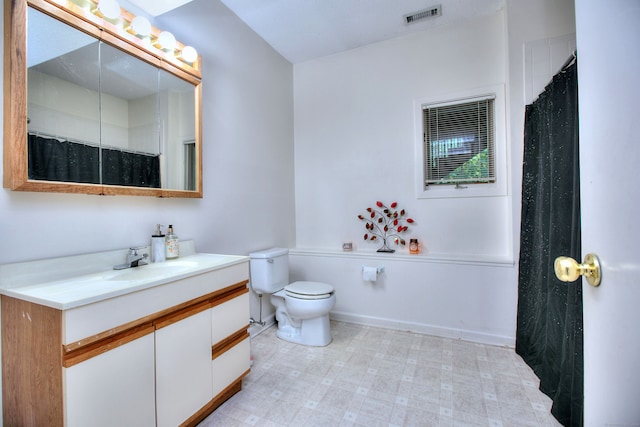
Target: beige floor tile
372,377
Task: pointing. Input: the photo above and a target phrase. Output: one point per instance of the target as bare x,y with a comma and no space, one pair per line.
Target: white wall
248,198
354,136
247,132
459,299
63,117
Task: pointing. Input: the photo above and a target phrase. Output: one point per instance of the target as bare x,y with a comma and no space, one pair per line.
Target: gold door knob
568,270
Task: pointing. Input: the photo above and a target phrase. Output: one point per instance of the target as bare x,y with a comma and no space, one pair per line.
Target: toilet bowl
303,317
302,307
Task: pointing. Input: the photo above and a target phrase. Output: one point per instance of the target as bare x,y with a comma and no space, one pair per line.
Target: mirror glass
177,131
98,115
130,143
63,102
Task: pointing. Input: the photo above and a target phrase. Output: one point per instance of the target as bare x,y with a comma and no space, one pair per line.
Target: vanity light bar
110,9
189,54
139,27
166,41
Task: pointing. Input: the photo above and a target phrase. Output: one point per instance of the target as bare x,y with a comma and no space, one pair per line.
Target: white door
608,45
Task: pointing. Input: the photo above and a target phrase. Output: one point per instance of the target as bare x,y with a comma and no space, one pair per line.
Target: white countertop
57,283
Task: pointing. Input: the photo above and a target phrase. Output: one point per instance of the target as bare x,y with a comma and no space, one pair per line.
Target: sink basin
151,271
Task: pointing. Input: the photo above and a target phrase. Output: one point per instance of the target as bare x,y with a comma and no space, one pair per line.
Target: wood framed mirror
90,107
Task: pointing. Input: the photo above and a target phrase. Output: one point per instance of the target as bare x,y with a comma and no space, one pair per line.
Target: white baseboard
420,328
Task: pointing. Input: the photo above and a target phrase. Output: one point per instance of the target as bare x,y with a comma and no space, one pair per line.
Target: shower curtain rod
569,61
90,144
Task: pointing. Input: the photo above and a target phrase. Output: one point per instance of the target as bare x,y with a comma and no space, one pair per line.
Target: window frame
499,186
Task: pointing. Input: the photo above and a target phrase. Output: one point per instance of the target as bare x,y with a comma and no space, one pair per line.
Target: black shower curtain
55,160
549,325
51,159
133,169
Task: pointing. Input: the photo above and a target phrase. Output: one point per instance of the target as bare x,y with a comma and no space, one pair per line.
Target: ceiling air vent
431,12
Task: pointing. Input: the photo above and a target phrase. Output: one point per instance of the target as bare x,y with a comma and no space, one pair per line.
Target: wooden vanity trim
79,351
180,314
222,397
97,348
240,290
227,343
31,360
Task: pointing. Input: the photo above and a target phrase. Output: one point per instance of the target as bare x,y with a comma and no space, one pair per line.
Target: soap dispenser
157,245
171,244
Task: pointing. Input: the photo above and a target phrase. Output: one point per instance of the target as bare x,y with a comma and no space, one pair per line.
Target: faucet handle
133,251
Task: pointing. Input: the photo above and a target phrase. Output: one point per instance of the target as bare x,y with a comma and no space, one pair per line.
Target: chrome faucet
133,260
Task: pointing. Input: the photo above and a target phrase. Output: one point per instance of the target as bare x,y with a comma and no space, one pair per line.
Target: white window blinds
459,142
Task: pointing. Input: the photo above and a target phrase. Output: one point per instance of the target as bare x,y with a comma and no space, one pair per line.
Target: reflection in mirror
92,108
63,107
96,108
177,122
130,149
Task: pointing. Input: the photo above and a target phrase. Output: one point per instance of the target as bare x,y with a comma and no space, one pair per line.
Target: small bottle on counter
158,245
172,245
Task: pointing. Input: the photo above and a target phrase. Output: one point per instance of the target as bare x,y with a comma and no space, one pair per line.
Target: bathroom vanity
163,344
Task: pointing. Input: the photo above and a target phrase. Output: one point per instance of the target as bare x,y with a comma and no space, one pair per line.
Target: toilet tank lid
269,253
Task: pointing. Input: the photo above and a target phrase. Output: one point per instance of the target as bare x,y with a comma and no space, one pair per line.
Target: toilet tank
269,270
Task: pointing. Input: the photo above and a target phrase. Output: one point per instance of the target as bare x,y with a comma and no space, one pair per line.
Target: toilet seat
308,290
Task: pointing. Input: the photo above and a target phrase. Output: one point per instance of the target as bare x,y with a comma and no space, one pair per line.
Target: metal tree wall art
385,223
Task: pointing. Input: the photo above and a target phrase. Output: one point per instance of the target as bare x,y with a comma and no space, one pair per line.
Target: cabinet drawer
229,317
230,366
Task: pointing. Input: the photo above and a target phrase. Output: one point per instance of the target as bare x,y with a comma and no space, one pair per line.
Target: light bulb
141,26
167,41
189,54
109,9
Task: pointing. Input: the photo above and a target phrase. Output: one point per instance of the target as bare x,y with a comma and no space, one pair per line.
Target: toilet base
312,332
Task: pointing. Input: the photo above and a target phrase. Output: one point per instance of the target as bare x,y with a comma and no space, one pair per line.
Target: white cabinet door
115,388
183,368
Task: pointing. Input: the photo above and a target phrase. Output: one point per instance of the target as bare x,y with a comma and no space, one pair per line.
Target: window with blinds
459,142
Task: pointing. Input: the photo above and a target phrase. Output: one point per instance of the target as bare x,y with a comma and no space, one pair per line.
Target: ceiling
306,29
301,30
158,7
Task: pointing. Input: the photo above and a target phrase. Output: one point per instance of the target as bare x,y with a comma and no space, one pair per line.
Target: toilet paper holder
379,269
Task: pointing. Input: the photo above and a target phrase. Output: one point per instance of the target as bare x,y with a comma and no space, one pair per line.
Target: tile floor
377,377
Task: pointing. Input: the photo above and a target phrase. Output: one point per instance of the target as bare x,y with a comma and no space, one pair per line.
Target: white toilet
302,308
